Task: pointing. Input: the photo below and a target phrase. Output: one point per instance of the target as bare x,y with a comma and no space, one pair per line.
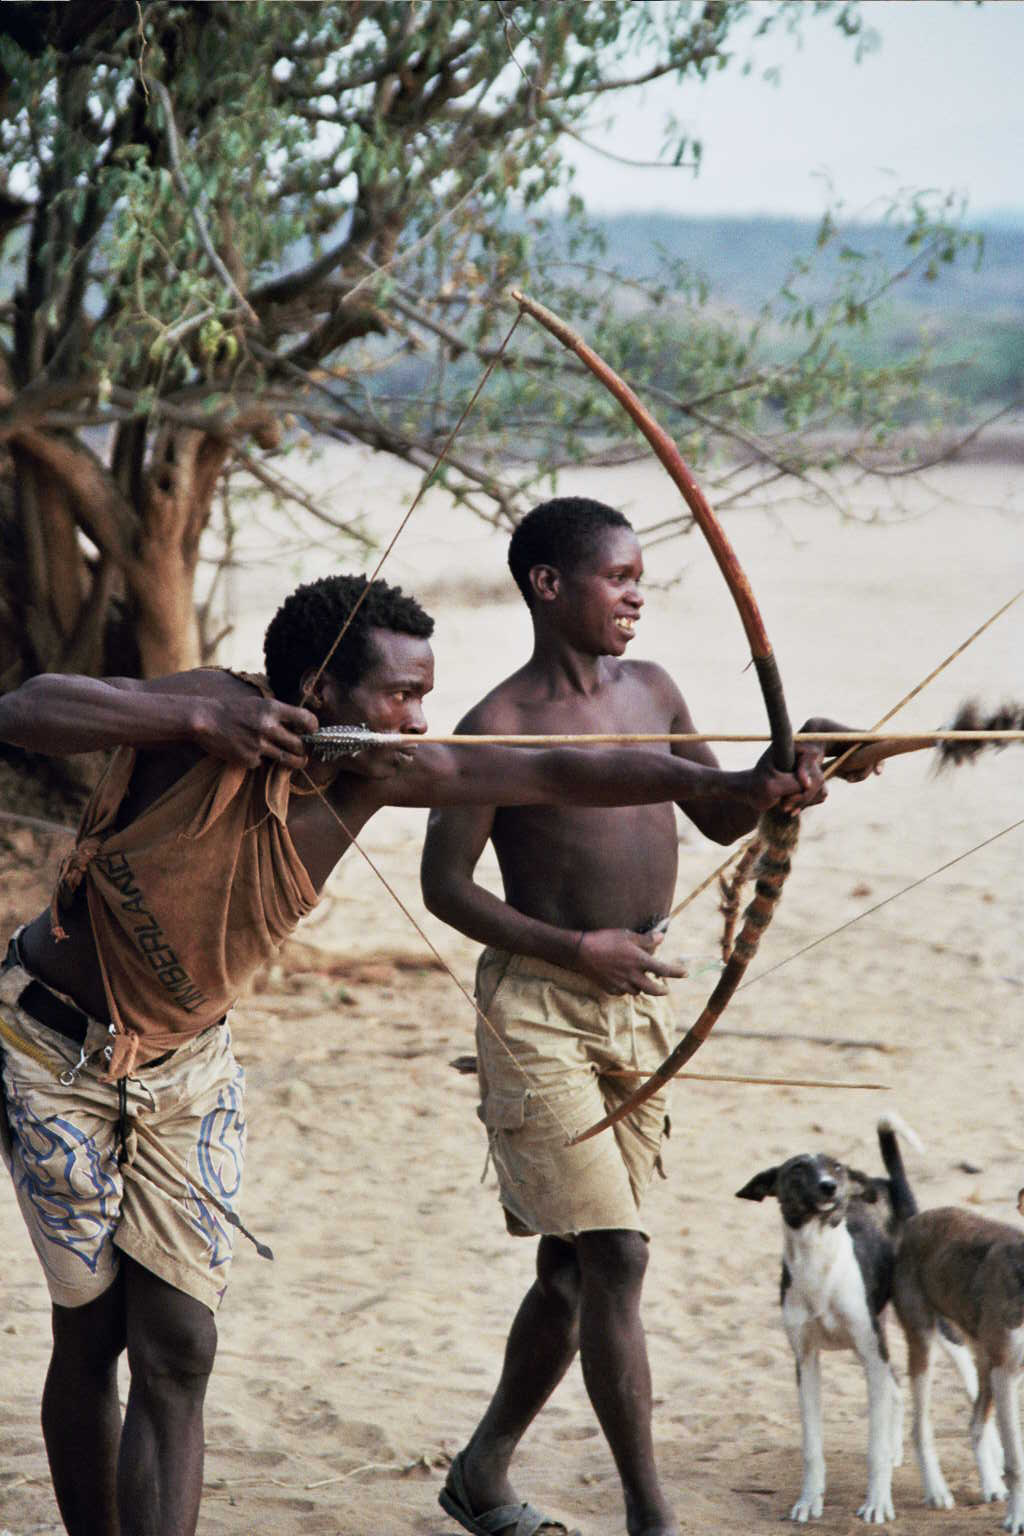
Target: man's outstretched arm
585,776
60,714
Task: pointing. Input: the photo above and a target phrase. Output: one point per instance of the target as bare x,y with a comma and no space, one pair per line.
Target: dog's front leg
808,1381
884,1415
919,1362
1004,1390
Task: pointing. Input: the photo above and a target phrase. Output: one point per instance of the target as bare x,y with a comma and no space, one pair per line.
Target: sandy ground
354,1366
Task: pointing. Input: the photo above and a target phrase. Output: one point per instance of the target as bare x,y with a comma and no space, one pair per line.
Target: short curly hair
560,532
308,623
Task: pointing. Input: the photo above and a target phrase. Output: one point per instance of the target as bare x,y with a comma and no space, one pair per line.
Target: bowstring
921,880
833,767
838,763
533,1086
424,484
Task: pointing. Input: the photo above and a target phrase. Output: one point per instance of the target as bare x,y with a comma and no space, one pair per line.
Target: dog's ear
761,1185
869,1187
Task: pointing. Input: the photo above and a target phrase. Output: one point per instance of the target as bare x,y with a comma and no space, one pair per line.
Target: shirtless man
570,985
201,849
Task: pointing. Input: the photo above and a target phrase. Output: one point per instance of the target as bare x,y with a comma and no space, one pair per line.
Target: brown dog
954,1266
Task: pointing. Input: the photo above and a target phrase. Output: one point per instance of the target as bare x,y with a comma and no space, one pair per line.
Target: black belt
46,1008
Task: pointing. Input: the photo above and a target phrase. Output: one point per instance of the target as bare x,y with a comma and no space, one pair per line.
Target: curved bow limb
778,830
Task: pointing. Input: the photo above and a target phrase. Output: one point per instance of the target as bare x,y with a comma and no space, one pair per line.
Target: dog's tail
901,1196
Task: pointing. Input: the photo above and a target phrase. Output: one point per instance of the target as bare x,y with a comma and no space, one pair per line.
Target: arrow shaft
908,741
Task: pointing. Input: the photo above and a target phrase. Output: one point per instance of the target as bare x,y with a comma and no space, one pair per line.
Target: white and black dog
839,1227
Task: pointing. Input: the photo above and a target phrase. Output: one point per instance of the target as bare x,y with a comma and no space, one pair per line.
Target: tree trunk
176,505
134,604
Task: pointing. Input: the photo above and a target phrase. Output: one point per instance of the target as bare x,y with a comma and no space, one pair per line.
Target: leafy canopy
321,207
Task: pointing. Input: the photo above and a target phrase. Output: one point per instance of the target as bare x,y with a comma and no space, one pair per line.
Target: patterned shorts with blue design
85,1197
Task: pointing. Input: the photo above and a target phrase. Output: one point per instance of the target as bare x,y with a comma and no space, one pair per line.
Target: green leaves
372,179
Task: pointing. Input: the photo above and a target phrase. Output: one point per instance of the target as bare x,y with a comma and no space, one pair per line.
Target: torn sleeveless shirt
188,900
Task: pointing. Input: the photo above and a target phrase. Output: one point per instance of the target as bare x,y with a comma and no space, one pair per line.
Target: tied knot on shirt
69,877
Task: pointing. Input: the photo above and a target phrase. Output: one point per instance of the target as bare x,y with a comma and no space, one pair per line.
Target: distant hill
971,314
970,317
746,259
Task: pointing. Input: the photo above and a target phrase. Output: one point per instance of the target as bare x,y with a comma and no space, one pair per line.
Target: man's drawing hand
246,729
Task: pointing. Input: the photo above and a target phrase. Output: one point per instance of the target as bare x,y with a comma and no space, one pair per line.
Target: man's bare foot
661,1522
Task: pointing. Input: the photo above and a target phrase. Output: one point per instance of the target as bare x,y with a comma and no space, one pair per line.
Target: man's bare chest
629,711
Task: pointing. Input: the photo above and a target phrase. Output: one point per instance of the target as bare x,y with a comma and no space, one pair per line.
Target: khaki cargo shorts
186,1141
545,1066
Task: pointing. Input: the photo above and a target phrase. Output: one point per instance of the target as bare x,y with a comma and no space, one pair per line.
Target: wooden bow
777,830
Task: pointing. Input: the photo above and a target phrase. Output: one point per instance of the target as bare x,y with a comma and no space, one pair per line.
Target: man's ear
545,582
761,1185
310,691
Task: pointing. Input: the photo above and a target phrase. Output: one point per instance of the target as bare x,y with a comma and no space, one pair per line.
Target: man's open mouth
626,624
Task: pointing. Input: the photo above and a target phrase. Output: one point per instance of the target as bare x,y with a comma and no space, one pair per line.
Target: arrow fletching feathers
335,741
970,717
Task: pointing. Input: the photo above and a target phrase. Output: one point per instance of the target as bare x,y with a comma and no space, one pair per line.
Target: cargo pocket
503,1112
503,1109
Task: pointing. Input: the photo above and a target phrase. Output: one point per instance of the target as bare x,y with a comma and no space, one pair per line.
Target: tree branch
417,245
104,514
282,290
195,212
288,490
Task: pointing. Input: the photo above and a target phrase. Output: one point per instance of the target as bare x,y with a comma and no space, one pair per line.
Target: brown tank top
188,900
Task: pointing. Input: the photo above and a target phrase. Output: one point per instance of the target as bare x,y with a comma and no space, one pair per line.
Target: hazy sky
940,103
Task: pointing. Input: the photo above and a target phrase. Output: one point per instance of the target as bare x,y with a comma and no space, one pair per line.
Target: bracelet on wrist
576,950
